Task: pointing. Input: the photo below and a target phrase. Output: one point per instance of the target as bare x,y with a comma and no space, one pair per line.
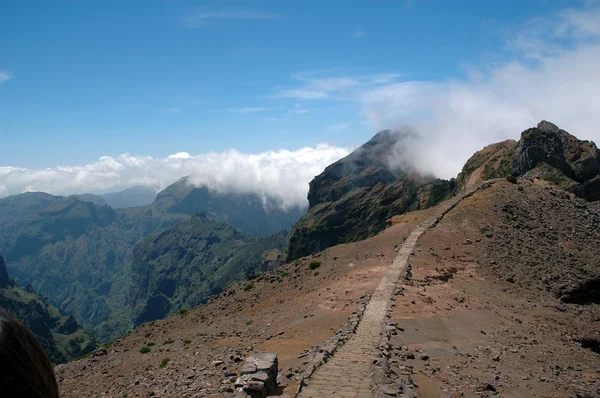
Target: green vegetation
316,273
145,350
164,363
512,179
252,277
60,335
552,175
186,265
439,191
183,311
187,342
314,265
85,256
169,341
151,344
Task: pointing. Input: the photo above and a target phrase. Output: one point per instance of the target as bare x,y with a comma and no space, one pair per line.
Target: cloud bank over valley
283,174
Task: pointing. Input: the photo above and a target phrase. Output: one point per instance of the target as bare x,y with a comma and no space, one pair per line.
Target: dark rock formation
352,199
546,143
546,152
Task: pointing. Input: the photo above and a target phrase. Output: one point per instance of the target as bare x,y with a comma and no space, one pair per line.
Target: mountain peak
548,127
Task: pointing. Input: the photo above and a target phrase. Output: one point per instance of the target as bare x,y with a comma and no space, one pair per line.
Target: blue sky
93,78
261,96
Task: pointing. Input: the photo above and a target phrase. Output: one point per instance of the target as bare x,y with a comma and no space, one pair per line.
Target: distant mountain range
79,252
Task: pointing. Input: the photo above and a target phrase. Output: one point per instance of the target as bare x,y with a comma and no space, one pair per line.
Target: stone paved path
348,372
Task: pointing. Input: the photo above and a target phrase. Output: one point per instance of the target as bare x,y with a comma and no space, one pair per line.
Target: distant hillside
90,197
352,199
184,266
249,213
60,335
130,197
546,152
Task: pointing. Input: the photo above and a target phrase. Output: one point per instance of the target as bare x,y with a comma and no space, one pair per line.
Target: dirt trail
348,373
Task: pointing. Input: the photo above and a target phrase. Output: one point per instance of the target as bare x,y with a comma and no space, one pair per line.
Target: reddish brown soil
307,308
477,328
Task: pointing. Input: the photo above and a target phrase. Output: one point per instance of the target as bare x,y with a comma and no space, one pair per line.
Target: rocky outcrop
258,375
573,164
352,199
545,152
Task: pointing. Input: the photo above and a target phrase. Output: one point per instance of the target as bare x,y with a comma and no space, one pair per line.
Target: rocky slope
546,152
184,266
352,199
489,306
60,335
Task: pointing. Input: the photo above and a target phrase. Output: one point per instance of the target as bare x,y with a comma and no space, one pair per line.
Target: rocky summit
546,152
352,199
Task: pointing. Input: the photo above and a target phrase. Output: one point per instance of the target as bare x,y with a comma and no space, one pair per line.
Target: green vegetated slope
353,197
80,254
184,266
60,335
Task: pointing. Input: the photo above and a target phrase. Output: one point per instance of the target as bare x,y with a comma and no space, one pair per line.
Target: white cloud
316,87
338,127
358,34
280,174
248,110
169,110
4,76
271,119
202,18
298,109
301,94
555,79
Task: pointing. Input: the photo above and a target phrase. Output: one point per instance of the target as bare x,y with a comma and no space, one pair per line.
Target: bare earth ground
307,308
468,330
472,332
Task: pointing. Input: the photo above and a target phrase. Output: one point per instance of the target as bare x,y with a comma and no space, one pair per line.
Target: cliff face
352,199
